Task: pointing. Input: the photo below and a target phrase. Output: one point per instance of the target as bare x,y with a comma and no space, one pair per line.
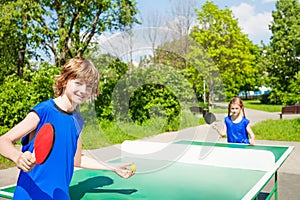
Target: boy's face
78,91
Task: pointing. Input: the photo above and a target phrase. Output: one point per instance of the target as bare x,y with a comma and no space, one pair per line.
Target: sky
254,16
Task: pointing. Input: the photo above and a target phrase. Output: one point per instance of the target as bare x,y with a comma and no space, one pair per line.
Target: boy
77,82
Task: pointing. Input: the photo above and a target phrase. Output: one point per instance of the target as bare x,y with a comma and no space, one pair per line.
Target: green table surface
175,181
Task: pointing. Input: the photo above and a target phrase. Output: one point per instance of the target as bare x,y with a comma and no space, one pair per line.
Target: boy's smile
78,91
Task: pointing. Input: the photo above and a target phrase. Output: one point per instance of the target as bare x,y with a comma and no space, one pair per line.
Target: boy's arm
83,161
251,134
24,161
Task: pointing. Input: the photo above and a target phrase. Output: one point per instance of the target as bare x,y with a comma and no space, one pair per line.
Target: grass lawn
280,130
256,105
251,104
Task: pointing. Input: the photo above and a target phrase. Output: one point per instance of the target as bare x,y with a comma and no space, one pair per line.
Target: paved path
289,173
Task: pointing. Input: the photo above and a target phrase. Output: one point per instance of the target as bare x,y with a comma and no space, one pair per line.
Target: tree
284,50
231,52
294,96
185,15
65,29
153,21
13,31
179,55
111,74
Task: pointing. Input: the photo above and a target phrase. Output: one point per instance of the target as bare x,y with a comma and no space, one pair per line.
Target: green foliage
156,91
61,29
231,52
293,95
19,95
15,101
13,29
284,51
153,100
153,91
189,59
42,81
264,99
111,70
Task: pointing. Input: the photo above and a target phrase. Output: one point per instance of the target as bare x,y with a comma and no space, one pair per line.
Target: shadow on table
92,185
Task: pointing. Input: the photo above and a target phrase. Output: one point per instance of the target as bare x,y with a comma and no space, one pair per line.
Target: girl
77,82
236,125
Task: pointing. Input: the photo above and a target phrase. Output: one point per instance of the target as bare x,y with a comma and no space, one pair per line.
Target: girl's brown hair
238,101
77,68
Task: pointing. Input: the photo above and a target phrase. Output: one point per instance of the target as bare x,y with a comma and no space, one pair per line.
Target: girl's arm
222,132
24,161
83,161
251,134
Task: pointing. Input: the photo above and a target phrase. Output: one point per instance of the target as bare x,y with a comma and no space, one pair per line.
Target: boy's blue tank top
51,179
236,132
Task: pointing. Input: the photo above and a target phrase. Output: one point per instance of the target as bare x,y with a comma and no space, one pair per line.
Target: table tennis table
200,170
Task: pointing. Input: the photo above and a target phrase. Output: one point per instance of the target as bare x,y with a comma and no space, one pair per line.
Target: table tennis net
150,156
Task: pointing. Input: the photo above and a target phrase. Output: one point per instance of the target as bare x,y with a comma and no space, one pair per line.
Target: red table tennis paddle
43,143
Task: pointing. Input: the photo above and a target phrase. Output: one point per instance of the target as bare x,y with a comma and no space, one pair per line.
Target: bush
19,94
264,99
15,101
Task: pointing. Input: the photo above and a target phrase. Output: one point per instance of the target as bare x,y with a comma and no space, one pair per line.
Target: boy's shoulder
44,105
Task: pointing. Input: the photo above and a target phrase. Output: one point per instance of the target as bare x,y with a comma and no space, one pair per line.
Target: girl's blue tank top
236,132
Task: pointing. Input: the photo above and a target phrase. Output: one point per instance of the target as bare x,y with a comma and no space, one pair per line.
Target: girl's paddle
209,118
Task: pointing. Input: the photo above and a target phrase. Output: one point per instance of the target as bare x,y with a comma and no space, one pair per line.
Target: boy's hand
26,161
124,172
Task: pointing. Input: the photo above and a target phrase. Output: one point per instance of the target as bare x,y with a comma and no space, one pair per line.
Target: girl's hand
26,161
214,126
251,142
124,171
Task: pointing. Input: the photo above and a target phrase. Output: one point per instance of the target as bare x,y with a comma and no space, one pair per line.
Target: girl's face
235,110
78,91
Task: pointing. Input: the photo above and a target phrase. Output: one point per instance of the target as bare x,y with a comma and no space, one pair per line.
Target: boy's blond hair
77,68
